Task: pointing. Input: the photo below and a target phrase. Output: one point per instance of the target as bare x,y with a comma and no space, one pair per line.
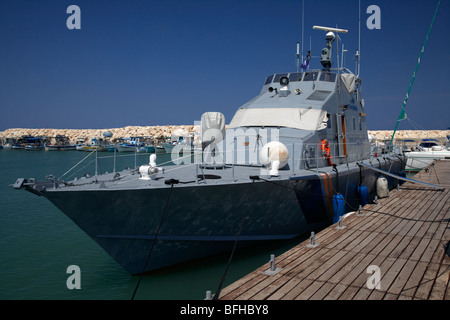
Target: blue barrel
338,207
363,194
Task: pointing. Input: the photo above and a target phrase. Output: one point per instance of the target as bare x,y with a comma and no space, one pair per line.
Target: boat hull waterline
205,219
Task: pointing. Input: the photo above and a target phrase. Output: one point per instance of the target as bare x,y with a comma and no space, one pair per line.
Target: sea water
38,242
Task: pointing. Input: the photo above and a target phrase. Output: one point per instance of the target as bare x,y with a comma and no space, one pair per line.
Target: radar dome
274,151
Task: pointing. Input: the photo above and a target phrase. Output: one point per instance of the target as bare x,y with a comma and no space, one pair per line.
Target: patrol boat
292,160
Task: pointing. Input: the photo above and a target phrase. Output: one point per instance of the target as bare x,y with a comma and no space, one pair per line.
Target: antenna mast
303,26
358,53
402,115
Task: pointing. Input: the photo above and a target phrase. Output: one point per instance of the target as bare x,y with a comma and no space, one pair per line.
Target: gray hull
186,222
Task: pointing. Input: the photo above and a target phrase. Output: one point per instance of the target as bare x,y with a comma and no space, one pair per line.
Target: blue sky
145,62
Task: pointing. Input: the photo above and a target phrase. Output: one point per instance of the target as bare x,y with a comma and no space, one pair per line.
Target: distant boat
159,148
7,143
80,143
147,148
95,144
20,143
131,144
181,139
428,151
61,143
35,144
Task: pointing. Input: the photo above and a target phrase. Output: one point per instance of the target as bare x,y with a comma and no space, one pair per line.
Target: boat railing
100,162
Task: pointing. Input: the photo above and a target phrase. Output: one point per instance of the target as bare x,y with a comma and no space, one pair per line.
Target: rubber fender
363,194
382,187
338,207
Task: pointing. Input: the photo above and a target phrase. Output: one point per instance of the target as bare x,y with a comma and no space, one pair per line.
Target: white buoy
382,187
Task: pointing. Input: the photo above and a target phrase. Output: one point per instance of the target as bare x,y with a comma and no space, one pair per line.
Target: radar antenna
327,52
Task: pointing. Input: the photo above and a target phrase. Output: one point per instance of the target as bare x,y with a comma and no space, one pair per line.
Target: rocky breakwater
168,130
125,132
416,135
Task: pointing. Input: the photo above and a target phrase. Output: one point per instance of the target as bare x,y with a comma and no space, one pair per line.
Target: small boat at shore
21,142
425,154
7,143
60,143
132,144
182,141
35,143
97,144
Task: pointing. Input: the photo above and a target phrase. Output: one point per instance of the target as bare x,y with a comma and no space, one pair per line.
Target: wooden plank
335,268
420,248
401,247
403,235
391,246
440,284
286,287
336,292
349,293
359,272
323,291
413,282
349,267
430,250
388,269
427,281
310,290
402,277
408,251
298,289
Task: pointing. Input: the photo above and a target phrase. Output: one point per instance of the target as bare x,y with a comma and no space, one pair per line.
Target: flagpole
402,115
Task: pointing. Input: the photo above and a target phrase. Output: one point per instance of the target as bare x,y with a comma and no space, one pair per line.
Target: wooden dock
403,235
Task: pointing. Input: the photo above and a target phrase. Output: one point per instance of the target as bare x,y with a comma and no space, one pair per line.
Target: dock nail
208,295
313,238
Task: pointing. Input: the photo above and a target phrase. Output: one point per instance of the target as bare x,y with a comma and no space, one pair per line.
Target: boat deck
403,235
191,174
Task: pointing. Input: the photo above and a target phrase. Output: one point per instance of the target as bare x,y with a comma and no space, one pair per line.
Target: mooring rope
244,216
171,182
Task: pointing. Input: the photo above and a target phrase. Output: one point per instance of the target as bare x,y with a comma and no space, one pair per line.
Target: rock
166,131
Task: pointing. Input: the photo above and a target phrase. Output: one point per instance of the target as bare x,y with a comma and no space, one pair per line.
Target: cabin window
278,76
360,124
310,76
295,77
269,79
328,77
354,123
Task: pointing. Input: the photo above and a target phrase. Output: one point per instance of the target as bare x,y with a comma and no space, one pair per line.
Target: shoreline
167,130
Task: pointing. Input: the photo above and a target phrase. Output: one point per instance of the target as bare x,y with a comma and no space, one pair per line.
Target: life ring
325,148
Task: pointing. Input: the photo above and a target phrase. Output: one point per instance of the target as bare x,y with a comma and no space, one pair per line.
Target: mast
303,26
358,53
402,115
